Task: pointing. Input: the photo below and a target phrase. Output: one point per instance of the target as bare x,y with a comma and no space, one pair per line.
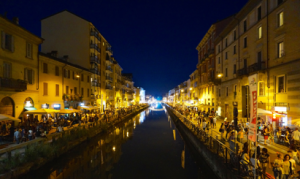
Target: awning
89,107
4,117
42,111
30,108
263,112
68,111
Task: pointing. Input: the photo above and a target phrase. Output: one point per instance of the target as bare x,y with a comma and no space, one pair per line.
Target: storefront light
280,109
28,104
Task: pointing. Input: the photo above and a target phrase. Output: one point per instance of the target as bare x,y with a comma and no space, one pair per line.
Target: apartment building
81,42
63,84
19,82
194,90
262,39
117,82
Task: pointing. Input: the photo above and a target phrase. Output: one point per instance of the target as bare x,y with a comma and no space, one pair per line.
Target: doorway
7,106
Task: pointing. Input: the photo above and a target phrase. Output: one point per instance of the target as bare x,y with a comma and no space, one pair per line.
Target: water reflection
151,146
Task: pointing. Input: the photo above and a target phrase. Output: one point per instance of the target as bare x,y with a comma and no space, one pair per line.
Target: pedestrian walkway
272,148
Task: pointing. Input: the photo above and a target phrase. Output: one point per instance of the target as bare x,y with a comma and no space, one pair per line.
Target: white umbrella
4,117
42,111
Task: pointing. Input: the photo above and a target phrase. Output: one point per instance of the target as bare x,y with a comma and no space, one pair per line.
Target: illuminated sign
56,106
45,106
281,109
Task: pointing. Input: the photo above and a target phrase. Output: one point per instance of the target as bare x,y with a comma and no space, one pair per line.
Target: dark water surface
147,146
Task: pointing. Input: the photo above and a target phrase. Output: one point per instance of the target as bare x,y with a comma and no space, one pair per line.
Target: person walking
30,132
240,135
293,163
17,136
264,159
204,125
277,166
286,167
222,130
296,136
266,134
271,135
214,122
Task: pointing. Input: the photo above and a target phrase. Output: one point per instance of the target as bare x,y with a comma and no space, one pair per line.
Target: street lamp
220,75
191,88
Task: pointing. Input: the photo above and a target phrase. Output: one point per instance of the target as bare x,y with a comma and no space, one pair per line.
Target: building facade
19,82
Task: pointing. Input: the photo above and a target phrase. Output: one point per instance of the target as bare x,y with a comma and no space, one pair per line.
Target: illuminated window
280,19
280,50
259,30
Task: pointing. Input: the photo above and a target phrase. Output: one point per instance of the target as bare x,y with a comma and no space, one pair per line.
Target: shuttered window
75,90
88,93
7,41
56,71
67,89
57,90
82,92
45,89
29,75
45,68
29,50
7,70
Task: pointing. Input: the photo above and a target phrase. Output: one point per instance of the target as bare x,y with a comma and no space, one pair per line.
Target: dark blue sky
153,39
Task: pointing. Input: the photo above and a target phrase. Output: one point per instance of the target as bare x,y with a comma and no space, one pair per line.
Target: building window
245,42
81,77
219,92
73,75
82,92
259,58
67,89
88,79
7,41
261,88
56,71
226,42
219,60
280,84
245,25
45,68
234,35
28,75
225,72
259,13
226,91
280,50
234,49
75,90
29,50
259,32
226,56
88,93
57,90
280,19
219,49
45,89
279,2
69,74
7,70
235,88
234,69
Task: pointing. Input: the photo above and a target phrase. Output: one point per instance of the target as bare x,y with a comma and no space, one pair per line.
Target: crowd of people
283,166
31,127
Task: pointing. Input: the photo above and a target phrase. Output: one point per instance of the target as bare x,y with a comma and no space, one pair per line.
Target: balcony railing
256,67
109,78
109,87
119,81
242,72
109,69
205,56
211,52
94,59
212,65
12,84
94,46
95,71
95,34
109,50
109,60
95,83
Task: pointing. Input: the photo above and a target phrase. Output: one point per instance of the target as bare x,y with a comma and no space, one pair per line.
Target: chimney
54,54
66,57
16,20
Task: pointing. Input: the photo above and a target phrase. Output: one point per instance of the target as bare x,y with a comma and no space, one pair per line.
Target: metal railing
13,84
227,155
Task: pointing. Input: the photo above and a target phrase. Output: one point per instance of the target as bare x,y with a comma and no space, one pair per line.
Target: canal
146,146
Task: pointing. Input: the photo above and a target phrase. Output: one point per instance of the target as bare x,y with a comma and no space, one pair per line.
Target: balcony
108,59
108,69
109,78
96,84
211,52
94,59
206,56
108,87
242,72
256,67
94,46
7,84
108,50
211,66
119,81
95,71
95,34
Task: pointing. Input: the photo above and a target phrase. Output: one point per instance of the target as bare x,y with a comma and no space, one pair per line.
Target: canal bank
214,153
28,156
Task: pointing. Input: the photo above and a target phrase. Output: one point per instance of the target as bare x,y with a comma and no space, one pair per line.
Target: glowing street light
181,90
220,75
191,89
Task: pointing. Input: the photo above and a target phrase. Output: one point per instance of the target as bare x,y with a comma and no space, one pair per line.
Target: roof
65,11
63,61
20,27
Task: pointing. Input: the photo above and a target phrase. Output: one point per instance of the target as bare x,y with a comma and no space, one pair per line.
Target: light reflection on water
134,149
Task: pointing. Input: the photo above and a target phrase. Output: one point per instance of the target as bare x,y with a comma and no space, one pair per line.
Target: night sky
153,39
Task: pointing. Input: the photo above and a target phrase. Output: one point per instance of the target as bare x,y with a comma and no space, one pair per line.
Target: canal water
148,146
